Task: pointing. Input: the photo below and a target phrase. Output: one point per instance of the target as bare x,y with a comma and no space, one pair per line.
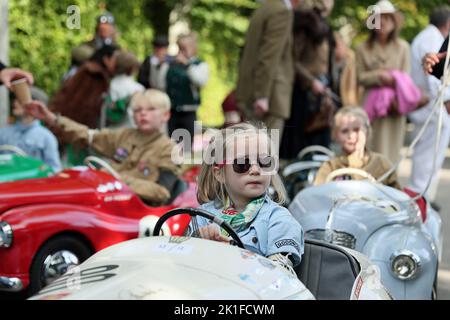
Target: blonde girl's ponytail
208,187
280,193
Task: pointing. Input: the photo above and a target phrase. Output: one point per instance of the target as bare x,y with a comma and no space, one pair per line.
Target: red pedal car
48,225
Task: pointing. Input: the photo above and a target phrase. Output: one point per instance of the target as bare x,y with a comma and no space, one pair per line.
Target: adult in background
184,79
105,34
312,108
81,97
155,66
266,68
429,39
376,57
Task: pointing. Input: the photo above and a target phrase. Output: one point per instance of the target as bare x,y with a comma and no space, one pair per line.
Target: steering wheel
91,160
193,212
313,149
343,171
13,149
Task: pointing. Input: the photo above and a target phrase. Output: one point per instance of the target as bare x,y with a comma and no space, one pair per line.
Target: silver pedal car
381,222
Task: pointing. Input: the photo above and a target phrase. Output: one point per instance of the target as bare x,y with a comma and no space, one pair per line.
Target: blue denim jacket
37,141
273,230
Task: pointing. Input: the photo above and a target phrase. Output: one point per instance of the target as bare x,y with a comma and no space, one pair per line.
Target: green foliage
41,42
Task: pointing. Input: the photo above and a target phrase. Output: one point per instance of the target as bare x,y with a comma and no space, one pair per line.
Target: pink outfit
379,100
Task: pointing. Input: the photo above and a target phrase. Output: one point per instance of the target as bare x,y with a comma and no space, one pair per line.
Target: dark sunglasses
243,165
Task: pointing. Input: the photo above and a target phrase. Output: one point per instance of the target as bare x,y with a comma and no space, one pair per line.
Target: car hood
69,186
176,268
357,208
14,167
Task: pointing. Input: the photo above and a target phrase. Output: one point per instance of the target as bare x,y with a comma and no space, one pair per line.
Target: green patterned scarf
240,220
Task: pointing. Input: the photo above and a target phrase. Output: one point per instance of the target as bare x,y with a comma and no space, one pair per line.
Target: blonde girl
351,130
234,183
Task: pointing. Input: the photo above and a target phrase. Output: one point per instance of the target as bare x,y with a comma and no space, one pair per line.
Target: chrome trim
300,166
315,148
10,284
414,257
57,264
6,234
337,237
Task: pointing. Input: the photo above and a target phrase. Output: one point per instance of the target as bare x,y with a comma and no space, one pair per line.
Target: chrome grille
332,236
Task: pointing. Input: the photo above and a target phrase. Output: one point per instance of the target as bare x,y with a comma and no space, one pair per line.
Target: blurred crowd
295,73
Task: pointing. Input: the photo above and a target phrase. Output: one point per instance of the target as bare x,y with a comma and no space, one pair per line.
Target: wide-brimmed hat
385,7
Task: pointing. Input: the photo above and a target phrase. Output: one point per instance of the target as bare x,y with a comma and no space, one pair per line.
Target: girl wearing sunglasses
233,185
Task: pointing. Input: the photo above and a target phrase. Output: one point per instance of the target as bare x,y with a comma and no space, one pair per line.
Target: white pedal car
191,268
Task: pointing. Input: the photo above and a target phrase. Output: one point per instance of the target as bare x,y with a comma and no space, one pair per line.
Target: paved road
443,200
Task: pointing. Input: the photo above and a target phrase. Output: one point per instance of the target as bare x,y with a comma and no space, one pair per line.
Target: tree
41,42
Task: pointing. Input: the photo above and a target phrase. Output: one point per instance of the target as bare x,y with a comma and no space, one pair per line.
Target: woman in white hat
382,52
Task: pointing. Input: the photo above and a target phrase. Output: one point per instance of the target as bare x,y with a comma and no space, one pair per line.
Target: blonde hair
356,112
152,97
209,188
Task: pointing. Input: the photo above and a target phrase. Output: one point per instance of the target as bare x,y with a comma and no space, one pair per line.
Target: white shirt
428,40
122,86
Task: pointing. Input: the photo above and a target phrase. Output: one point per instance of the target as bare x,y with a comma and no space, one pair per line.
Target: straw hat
385,7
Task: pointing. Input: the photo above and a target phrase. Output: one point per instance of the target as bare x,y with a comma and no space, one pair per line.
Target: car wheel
54,258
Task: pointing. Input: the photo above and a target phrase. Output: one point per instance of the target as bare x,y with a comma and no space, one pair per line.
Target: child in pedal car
233,185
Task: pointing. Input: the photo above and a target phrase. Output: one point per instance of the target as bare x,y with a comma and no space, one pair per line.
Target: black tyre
434,291
54,258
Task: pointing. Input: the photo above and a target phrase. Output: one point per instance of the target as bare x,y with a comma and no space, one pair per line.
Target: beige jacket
266,67
349,90
374,163
370,61
137,157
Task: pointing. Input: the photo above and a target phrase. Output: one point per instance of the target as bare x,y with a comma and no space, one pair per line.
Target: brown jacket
266,67
81,96
139,158
375,164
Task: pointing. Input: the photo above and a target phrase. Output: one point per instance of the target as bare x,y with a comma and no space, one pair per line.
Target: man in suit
266,70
